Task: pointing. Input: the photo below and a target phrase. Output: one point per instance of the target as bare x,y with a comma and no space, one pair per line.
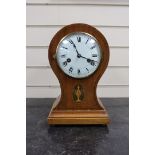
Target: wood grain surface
90,102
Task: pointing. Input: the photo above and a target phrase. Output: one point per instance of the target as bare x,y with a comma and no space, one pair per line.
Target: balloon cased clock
78,55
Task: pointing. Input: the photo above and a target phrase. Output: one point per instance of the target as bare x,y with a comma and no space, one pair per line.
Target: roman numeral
70,70
93,47
87,41
64,47
87,70
71,41
65,63
94,55
79,39
63,56
78,71
92,63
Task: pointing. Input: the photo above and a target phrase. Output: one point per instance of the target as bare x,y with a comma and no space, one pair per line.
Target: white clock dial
78,54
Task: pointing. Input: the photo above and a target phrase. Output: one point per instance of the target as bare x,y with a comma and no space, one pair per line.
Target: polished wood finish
77,116
90,110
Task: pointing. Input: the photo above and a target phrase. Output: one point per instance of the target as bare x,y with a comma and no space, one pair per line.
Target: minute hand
74,47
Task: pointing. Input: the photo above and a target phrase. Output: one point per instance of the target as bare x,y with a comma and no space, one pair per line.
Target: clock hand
78,55
89,60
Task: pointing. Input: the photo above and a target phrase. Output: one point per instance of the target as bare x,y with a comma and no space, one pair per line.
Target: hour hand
89,60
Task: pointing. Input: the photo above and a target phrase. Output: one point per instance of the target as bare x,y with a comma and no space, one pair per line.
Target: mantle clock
78,55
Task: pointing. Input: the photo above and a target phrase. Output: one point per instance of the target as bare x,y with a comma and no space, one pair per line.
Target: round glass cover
78,54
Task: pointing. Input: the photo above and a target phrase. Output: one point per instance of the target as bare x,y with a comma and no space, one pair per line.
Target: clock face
78,54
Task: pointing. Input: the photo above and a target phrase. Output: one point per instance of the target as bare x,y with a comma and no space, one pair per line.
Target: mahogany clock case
90,110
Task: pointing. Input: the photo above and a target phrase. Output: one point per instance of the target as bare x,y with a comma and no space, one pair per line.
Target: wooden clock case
89,109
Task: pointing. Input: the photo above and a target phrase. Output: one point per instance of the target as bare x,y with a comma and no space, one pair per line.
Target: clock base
61,117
